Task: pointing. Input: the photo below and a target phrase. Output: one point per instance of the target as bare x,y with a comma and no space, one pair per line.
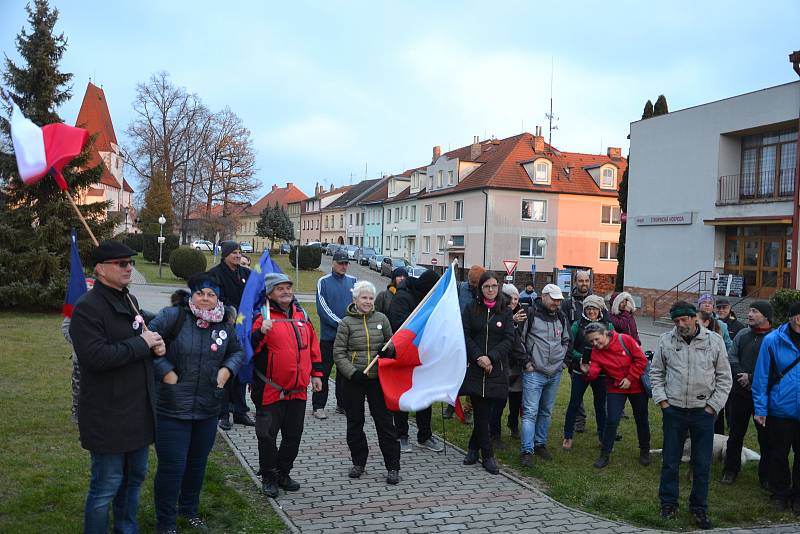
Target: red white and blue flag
77,281
430,354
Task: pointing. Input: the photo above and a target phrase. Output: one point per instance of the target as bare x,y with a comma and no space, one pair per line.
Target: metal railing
699,282
765,186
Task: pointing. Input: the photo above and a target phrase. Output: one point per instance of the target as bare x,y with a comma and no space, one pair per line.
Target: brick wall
649,295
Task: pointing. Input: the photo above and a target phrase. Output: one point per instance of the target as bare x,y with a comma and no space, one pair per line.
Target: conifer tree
157,202
35,220
275,224
648,110
661,107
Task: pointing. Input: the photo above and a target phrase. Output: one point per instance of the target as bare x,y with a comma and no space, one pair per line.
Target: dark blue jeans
578,388
615,403
115,477
182,447
699,425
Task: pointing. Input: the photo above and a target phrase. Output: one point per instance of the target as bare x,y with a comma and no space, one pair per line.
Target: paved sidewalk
436,492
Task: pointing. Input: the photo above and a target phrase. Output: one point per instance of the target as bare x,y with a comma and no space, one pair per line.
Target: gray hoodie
547,339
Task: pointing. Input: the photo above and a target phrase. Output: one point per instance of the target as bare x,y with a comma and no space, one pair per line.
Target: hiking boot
644,457
432,444
286,482
542,452
668,511
601,461
701,519
320,413
449,412
526,459
269,485
393,477
728,477
491,465
405,446
197,523
567,444
225,423
243,419
356,471
471,458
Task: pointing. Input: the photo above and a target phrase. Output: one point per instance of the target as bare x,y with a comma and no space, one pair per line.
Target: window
443,211
449,177
351,219
608,180
428,212
458,240
426,244
439,179
610,215
396,214
413,213
534,210
430,183
396,240
440,243
768,163
415,181
405,212
341,221
388,242
459,210
389,215
608,250
529,247
541,173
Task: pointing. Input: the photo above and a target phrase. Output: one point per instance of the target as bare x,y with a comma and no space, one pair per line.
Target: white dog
719,450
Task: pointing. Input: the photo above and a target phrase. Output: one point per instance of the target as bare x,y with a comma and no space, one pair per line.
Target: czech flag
40,150
252,298
77,281
430,354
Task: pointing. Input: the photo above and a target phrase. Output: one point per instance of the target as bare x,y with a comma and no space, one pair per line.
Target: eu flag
252,298
77,280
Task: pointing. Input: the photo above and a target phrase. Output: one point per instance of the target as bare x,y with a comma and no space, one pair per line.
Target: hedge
781,300
184,262
135,241
150,246
310,257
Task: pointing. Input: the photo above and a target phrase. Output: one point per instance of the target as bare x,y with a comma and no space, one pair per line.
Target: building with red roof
289,198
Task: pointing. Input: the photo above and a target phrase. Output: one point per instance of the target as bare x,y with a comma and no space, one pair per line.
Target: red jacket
286,355
616,364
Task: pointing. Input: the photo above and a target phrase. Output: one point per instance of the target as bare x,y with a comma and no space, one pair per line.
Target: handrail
749,295
701,280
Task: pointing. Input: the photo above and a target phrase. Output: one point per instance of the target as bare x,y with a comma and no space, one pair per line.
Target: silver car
375,262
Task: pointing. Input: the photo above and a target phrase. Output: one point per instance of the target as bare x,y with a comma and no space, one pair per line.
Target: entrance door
761,255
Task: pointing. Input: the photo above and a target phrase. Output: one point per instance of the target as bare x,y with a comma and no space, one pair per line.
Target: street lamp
540,244
161,222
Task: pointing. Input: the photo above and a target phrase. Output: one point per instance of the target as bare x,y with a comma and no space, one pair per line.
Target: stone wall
649,295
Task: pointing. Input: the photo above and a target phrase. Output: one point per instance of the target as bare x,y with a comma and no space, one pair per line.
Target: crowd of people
172,380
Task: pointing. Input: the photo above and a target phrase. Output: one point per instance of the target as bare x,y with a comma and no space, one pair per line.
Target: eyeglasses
123,264
490,286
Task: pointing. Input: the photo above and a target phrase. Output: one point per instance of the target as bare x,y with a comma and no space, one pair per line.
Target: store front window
761,255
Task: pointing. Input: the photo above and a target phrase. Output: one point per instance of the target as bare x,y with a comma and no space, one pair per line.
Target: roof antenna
551,118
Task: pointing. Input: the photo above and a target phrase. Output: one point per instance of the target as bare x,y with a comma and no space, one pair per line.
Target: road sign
511,266
434,261
509,278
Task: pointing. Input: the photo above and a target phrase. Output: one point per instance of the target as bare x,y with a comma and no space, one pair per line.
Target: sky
336,91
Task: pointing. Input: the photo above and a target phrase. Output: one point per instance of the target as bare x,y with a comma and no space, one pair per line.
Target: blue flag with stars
252,298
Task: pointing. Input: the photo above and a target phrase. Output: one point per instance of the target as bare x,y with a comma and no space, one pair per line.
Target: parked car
285,248
331,249
314,244
375,262
390,264
246,247
415,271
202,244
364,255
352,251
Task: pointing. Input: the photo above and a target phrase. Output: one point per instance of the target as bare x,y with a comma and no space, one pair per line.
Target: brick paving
436,492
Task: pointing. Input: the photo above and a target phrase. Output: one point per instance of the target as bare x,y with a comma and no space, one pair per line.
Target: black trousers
480,440
320,399
740,411
233,398
423,424
286,416
353,395
783,434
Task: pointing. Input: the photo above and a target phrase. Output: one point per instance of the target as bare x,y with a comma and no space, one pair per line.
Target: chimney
274,187
437,151
332,188
317,189
289,185
538,140
614,152
475,149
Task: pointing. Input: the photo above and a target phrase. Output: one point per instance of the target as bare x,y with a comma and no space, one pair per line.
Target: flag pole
410,316
81,217
444,431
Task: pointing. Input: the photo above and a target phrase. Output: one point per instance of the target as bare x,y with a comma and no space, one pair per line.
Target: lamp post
540,244
161,222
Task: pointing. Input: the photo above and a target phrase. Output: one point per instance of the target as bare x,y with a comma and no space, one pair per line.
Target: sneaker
225,423
405,446
432,444
320,413
567,444
728,477
243,419
644,457
542,452
393,477
601,461
356,471
491,466
286,482
526,459
340,410
471,458
668,511
701,519
197,523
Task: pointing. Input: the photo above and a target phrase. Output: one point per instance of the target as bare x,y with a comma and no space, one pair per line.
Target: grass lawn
45,473
150,271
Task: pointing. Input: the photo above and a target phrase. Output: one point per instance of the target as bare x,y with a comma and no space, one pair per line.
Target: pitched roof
280,195
405,194
379,193
502,168
354,194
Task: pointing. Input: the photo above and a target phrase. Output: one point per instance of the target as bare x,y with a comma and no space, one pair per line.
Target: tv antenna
551,118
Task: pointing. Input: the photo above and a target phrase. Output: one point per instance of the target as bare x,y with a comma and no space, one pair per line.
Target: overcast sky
328,88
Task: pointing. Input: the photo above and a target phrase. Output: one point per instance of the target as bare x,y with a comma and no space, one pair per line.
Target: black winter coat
117,393
403,303
189,354
492,334
231,283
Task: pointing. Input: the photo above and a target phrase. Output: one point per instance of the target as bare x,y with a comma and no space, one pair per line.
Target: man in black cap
117,396
384,299
743,356
726,315
232,278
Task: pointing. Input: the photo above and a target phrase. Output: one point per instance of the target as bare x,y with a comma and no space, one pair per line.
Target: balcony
765,186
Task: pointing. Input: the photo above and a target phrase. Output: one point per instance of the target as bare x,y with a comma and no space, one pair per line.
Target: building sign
661,220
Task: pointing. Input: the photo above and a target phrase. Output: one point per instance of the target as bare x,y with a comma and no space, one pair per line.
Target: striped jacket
334,295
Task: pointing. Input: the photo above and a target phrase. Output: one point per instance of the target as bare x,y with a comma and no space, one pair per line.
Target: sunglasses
123,264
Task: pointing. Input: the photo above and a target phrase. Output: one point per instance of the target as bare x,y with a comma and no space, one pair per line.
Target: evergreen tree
275,225
661,107
648,110
35,220
157,202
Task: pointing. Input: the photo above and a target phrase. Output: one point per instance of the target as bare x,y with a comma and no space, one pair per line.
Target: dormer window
608,178
539,171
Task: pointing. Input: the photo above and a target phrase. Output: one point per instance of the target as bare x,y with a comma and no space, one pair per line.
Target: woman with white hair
622,309
361,334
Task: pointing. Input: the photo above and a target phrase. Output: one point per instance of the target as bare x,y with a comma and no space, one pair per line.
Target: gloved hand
358,377
387,352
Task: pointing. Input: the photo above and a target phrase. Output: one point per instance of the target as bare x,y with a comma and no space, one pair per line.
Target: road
361,272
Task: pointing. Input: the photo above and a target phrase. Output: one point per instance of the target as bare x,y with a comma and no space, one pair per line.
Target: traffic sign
511,266
509,278
434,261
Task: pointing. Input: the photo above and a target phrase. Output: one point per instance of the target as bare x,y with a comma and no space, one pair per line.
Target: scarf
489,303
206,317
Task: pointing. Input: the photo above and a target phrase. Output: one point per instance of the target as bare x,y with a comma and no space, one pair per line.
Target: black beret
111,250
227,247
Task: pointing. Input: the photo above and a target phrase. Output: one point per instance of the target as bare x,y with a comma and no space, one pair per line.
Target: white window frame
537,179
613,177
442,211
534,240
439,179
428,213
388,215
608,256
532,219
458,210
413,213
440,243
449,177
611,211
396,242
426,244
453,239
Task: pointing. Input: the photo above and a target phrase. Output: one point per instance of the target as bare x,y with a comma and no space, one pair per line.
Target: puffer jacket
487,333
581,350
190,356
384,300
615,362
782,399
358,339
744,354
691,375
547,339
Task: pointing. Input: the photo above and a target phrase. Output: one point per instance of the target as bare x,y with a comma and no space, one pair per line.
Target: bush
310,257
150,246
135,241
781,300
184,262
